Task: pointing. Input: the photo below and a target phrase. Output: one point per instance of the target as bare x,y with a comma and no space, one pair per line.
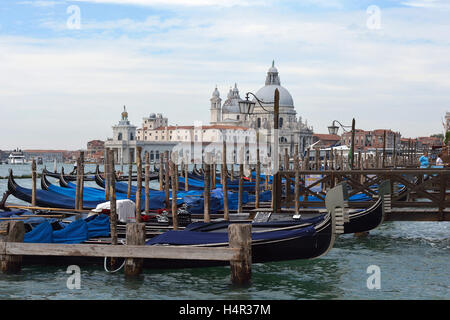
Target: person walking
439,161
423,160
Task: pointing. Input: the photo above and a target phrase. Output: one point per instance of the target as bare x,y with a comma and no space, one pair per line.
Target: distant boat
17,157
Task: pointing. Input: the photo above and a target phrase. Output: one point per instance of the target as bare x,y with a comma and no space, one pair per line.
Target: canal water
399,260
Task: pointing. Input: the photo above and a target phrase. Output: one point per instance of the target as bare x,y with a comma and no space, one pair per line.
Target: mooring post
106,171
14,231
33,176
166,179
226,211
207,191
135,236
175,169
113,203
241,187
77,190
186,176
161,173
139,184
258,172
297,182
147,182
81,169
174,177
130,173
240,236
384,150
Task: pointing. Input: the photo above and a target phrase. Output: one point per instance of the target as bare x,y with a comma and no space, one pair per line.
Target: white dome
267,94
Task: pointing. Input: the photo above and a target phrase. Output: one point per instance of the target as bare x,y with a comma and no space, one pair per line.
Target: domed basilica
293,130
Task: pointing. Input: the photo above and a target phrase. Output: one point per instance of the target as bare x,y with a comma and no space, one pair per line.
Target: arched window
131,137
119,137
152,156
281,123
157,155
258,123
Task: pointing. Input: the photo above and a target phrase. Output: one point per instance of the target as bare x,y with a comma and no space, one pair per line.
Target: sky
67,68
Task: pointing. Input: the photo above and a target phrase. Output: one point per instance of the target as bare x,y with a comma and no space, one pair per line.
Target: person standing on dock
439,161
423,160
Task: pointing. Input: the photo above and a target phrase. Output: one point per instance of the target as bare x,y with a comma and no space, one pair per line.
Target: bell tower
216,110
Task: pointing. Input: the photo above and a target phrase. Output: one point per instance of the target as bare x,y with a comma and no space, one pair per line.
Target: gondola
271,241
69,177
45,198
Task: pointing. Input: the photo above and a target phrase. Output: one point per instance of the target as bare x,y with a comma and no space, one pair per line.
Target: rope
120,268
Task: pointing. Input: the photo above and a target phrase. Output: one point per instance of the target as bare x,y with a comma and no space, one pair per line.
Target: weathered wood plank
123,251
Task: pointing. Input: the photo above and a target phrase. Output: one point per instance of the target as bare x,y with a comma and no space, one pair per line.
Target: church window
281,123
259,122
119,137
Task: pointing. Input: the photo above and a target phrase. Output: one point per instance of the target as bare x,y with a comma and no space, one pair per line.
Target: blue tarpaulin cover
195,238
77,231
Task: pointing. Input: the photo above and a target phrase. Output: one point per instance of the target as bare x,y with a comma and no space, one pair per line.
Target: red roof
324,136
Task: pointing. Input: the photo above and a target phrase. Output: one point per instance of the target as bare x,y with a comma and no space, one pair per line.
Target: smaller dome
152,116
216,93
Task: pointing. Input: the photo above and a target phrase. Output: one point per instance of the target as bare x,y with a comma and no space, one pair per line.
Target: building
156,136
292,130
367,140
95,151
321,140
126,139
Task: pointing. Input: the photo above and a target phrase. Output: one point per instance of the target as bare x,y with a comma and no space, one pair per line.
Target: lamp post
333,129
247,107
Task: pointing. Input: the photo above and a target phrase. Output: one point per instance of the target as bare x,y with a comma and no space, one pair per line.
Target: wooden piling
106,170
139,184
166,179
224,182
147,182
297,182
258,172
135,236
207,192
14,232
186,176
241,187
240,236
113,203
77,188
81,169
33,176
383,165
130,173
174,177
161,173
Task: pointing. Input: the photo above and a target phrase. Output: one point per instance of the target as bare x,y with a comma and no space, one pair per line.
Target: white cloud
334,67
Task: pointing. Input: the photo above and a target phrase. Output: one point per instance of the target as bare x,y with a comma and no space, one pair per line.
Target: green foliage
447,137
